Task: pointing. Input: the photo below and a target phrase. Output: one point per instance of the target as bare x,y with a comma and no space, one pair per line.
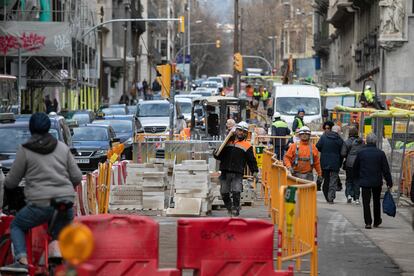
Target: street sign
180,59
259,155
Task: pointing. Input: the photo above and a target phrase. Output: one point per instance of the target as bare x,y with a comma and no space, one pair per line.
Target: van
289,98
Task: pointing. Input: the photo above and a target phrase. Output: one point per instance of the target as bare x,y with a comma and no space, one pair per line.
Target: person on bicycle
50,173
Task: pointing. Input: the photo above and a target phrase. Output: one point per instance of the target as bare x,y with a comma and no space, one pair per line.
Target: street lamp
274,39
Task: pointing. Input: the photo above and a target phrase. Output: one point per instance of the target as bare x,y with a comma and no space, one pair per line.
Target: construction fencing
292,205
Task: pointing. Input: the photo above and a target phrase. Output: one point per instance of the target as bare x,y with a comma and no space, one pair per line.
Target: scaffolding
72,78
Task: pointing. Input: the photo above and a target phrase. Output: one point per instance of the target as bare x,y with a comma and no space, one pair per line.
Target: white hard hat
368,86
243,126
276,115
304,130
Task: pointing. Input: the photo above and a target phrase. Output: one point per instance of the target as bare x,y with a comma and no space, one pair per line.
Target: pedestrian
298,122
124,99
349,151
367,97
145,88
48,104
330,146
279,128
264,97
256,96
50,173
55,105
233,159
370,167
230,124
180,124
303,157
156,87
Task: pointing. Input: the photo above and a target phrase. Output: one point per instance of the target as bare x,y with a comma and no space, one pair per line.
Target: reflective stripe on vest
265,95
256,93
310,158
279,124
300,124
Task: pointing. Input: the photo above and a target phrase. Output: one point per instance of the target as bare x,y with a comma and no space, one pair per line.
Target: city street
345,247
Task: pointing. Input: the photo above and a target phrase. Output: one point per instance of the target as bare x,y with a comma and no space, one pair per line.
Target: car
92,143
13,133
185,107
201,91
153,116
211,86
124,106
197,83
124,130
112,111
83,117
132,109
218,80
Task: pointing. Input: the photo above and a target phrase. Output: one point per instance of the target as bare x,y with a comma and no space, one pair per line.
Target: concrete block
198,167
185,206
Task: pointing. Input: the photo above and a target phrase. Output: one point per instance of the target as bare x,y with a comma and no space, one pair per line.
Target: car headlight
101,152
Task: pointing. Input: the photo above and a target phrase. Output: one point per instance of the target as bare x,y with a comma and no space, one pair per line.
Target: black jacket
370,166
234,157
330,146
280,128
350,149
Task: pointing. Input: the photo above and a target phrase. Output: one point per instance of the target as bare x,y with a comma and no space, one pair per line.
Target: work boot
236,211
236,204
227,202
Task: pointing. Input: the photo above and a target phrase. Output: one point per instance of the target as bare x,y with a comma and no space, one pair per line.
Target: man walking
349,151
330,146
370,167
279,128
233,159
298,120
302,157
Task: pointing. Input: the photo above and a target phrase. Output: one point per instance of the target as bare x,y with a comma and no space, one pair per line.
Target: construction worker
279,128
298,120
367,97
265,97
256,96
233,159
301,158
185,133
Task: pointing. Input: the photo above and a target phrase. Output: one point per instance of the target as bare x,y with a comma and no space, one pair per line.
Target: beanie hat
39,123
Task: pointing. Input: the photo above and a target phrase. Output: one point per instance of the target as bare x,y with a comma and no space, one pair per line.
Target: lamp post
273,38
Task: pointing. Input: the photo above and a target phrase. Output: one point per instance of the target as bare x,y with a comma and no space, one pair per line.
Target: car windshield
90,134
132,109
119,126
12,138
290,105
154,110
185,107
210,85
81,118
114,111
215,79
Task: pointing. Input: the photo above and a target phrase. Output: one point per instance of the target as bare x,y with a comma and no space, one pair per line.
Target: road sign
259,155
180,59
290,204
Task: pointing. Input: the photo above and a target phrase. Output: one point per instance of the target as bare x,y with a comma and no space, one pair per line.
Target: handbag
388,204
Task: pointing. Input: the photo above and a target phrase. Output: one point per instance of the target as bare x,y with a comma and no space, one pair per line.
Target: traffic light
238,62
181,24
164,79
218,43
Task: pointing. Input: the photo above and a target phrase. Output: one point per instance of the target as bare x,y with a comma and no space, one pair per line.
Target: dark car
83,117
125,130
13,133
92,143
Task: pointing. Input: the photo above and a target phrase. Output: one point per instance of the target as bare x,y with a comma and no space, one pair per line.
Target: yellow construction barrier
292,205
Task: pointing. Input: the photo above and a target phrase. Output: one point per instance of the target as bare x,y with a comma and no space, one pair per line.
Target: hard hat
304,130
368,87
300,109
243,126
276,115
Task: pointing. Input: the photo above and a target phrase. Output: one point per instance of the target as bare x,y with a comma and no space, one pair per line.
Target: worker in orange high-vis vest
233,159
303,156
185,133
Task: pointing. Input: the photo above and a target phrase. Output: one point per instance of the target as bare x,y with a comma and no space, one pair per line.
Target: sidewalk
395,236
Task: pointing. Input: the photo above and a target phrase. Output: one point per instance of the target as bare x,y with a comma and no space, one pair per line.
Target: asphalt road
345,250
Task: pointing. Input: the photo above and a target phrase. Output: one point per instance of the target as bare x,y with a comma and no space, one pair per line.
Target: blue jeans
31,216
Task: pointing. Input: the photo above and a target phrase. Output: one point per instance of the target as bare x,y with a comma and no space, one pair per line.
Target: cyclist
50,173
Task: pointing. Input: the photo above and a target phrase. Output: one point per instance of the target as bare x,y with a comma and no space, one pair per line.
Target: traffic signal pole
236,74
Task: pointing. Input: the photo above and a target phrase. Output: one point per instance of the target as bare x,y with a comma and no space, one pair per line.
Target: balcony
339,11
321,44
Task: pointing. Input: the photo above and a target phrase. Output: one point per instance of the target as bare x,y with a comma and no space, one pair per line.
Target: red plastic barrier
225,246
125,245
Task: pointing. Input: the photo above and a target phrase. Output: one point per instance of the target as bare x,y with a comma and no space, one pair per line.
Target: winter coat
235,155
280,128
330,146
299,157
48,167
350,149
370,167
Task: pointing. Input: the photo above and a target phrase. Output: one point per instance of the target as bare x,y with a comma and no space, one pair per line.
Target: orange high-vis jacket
185,134
303,161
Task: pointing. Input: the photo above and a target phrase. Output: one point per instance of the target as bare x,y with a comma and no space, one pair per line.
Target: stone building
358,39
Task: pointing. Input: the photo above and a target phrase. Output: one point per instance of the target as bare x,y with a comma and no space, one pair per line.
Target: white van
289,98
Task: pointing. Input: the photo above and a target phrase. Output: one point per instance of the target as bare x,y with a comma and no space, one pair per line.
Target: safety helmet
368,87
243,126
304,130
301,109
276,115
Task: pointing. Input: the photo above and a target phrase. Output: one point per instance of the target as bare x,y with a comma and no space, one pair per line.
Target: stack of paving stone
192,185
130,195
153,190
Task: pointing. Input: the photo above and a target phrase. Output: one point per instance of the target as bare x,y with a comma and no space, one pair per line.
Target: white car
219,80
185,107
212,86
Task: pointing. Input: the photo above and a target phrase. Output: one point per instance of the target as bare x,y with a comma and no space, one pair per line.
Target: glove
256,176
